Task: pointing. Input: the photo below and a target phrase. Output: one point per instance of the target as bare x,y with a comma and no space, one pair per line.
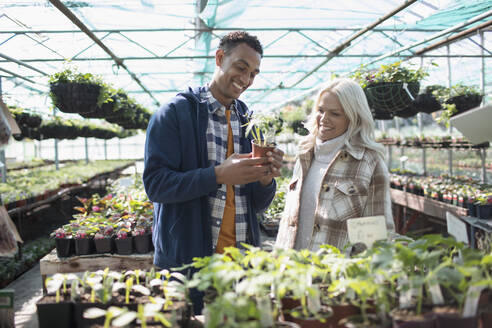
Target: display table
421,204
51,263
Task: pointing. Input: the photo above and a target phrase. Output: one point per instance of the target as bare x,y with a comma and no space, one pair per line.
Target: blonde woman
339,173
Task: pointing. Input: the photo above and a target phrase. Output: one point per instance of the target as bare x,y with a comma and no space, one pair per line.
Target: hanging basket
381,114
427,103
391,96
464,103
407,112
75,97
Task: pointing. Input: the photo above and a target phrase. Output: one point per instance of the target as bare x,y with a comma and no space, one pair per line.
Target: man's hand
242,169
275,160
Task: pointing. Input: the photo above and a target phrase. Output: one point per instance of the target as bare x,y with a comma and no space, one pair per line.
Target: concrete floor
27,291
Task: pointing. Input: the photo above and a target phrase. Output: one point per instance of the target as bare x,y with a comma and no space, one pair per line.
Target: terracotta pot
261,151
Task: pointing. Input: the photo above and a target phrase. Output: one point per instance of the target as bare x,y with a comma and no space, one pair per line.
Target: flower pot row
66,247
65,314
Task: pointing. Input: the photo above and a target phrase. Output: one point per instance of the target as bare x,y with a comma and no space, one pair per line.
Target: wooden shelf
425,205
51,263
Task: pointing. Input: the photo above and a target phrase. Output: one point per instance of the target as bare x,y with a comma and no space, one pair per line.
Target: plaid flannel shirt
356,184
217,131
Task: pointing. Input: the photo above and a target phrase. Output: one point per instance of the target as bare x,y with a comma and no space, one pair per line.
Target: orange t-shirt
227,234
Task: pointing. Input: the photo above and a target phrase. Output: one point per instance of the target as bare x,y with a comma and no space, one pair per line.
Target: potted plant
104,239
262,129
55,308
74,92
391,88
64,241
142,235
124,242
83,242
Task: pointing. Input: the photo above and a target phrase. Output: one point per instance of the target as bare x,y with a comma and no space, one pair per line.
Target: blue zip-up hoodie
178,179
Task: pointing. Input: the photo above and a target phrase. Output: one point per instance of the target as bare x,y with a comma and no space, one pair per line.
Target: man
199,172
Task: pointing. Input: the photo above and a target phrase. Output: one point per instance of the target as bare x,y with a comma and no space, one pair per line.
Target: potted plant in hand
262,129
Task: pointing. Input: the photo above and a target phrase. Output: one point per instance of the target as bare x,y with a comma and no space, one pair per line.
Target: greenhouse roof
156,48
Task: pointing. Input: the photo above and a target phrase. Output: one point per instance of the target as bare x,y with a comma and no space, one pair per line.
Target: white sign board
475,124
367,229
457,228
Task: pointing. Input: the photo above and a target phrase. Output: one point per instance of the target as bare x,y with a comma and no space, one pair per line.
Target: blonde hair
361,126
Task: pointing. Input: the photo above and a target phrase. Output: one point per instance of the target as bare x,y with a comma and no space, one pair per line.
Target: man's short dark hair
233,39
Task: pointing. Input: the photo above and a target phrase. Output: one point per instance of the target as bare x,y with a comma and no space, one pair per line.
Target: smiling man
199,171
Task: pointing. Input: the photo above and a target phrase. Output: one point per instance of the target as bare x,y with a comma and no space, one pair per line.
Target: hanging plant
74,92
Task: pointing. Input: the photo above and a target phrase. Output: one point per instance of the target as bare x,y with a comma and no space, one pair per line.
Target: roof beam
253,29
454,38
347,43
22,63
434,36
119,62
42,60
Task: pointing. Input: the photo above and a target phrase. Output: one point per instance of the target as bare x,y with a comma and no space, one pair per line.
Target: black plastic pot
427,103
465,102
484,211
78,314
142,243
53,315
64,247
124,246
455,321
83,246
104,245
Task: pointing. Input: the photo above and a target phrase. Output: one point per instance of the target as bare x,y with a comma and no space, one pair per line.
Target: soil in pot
357,321
408,319
324,320
142,243
103,245
286,324
447,317
52,314
261,151
64,247
124,246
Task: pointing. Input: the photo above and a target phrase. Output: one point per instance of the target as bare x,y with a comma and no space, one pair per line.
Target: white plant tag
366,230
436,294
471,302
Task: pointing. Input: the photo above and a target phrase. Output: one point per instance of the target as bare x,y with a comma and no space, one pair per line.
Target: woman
339,174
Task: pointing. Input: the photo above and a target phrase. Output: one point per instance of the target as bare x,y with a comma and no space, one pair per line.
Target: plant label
471,302
456,228
367,230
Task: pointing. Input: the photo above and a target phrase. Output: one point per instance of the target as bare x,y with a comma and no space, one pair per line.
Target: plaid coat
356,184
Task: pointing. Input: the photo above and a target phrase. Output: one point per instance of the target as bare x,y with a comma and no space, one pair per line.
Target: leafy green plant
263,128
394,72
71,75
